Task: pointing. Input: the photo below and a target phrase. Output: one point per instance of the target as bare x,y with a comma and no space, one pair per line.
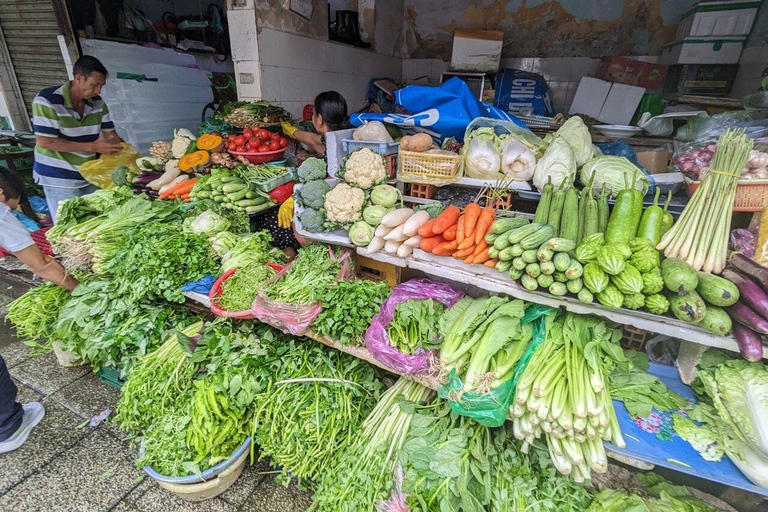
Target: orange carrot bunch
180,191
460,235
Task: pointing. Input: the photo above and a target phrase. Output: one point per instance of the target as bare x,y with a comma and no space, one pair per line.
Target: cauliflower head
179,146
344,204
364,168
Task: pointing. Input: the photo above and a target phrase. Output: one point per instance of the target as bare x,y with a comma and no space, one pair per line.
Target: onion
706,155
695,153
711,146
688,166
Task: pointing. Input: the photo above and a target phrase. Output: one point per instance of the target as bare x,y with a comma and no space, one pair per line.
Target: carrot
185,196
427,244
491,263
467,243
450,233
425,231
185,186
484,223
445,249
446,219
463,253
469,260
460,230
175,189
482,257
480,247
471,214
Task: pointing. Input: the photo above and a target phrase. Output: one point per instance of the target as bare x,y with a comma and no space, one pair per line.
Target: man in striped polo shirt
72,125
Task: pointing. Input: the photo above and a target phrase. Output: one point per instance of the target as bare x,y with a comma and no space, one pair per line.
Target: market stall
428,351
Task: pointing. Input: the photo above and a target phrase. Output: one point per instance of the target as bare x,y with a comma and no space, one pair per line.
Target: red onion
706,155
695,153
688,166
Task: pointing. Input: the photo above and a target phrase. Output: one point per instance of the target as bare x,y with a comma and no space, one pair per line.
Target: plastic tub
260,158
216,292
381,147
211,488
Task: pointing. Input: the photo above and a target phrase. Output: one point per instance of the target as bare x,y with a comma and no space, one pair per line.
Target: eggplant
743,314
753,269
750,292
152,193
145,177
750,343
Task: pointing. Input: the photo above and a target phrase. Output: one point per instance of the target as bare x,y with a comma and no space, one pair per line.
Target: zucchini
542,210
538,237
530,256
569,221
507,223
528,282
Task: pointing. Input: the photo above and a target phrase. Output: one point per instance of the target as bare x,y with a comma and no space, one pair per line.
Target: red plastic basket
216,293
40,241
260,158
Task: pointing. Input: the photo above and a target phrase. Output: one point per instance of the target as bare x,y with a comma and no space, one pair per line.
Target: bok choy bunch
563,394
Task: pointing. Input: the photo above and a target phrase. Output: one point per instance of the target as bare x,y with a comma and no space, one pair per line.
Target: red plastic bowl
260,158
216,291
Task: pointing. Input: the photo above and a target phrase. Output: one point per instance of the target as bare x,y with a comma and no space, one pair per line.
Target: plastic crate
111,377
18,160
373,270
751,196
391,165
420,190
634,338
414,166
272,184
502,201
380,147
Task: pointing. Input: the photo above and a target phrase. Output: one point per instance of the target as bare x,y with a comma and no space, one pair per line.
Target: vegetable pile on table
235,188
348,308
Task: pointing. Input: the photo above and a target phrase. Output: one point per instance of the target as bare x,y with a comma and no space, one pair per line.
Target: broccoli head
312,220
120,175
311,169
312,194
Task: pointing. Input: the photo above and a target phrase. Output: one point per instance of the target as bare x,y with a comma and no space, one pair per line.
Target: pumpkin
194,161
210,142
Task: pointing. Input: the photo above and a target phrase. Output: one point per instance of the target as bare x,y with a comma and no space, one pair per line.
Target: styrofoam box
718,19
703,50
621,103
590,97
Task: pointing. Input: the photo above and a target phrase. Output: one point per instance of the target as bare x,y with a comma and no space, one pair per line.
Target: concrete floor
67,466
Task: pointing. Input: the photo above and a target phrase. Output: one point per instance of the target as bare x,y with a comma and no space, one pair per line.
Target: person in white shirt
17,420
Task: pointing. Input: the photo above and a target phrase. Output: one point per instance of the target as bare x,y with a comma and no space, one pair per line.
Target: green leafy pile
657,496
312,271
348,308
105,328
239,290
415,325
154,260
35,313
76,210
252,249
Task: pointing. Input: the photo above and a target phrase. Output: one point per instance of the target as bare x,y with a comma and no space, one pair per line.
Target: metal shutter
31,33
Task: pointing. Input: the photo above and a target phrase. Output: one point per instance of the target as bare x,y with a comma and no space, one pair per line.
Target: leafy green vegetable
312,270
239,290
252,249
348,308
640,391
35,313
663,497
415,325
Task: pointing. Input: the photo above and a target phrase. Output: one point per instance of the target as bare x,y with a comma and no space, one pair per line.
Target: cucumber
547,267
574,270
229,178
679,276
491,237
506,224
237,195
518,234
251,202
562,261
716,290
529,256
504,266
502,242
528,282
533,269
251,194
561,244
514,274
518,263
545,280
234,187
558,289
506,254
586,296
516,250
575,285
560,277
544,253
538,237
257,208
493,253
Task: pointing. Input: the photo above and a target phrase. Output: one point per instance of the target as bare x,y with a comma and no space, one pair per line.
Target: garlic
757,159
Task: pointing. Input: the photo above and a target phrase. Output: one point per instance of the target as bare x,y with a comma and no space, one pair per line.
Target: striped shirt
54,116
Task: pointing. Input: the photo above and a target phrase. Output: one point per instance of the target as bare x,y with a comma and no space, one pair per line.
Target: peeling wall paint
272,14
544,28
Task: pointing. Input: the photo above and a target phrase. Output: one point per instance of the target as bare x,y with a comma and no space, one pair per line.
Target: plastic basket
417,166
40,241
206,475
111,377
380,147
271,184
751,196
260,158
216,290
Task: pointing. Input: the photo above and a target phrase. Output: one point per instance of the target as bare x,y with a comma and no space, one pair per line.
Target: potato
405,143
420,142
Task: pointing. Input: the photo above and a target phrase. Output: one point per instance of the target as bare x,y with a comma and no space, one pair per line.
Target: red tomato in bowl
239,140
263,149
232,146
264,134
247,133
274,136
283,142
274,145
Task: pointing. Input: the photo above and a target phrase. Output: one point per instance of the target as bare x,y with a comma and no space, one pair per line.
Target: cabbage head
576,134
207,223
613,171
481,154
557,163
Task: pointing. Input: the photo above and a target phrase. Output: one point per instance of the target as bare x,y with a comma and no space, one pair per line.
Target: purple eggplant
145,177
152,193
753,269
750,292
750,343
744,315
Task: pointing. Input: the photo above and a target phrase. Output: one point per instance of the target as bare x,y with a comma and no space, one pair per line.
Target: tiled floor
66,465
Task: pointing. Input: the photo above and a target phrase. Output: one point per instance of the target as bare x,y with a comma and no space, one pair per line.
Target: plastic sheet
376,338
99,171
492,408
294,318
396,501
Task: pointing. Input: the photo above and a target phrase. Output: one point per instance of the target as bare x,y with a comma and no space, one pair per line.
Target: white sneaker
33,414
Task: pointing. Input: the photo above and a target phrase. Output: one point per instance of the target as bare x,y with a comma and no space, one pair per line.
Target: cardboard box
704,50
632,72
605,101
655,162
708,79
477,50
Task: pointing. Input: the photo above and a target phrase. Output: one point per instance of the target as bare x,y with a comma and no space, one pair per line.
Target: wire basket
426,167
751,196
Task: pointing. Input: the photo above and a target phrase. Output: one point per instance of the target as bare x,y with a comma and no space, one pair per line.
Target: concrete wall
545,28
154,9
754,58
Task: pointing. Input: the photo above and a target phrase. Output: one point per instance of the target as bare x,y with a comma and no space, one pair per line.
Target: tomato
274,145
247,133
244,149
283,142
264,134
264,148
239,140
256,142
232,146
274,136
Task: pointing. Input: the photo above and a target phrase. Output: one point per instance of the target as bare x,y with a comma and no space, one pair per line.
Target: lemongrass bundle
700,236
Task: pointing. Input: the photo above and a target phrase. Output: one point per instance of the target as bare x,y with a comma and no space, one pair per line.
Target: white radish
376,245
391,247
414,241
404,250
381,231
413,224
396,217
173,183
396,234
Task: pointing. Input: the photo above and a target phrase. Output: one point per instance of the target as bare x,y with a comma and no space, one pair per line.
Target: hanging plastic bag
376,338
492,408
99,172
294,318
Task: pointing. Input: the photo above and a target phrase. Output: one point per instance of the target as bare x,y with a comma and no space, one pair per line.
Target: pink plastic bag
376,338
396,501
293,318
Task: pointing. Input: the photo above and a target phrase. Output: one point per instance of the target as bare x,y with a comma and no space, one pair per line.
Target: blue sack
443,111
39,205
521,92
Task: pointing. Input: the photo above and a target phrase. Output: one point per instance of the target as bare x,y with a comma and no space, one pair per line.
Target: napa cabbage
612,171
481,154
558,163
576,134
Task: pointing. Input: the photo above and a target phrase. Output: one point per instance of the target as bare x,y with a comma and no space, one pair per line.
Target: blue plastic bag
443,111
621,148
39,205
29,224
521,92
202,285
